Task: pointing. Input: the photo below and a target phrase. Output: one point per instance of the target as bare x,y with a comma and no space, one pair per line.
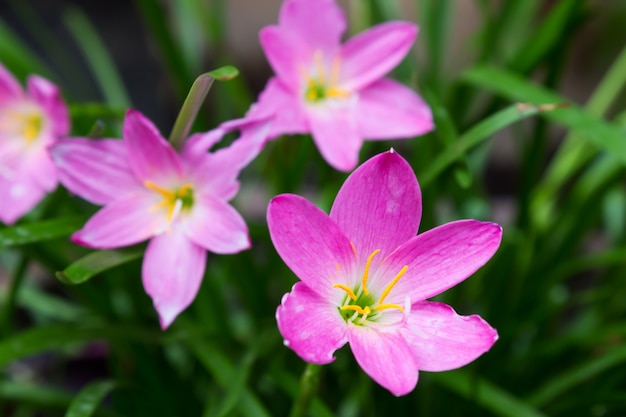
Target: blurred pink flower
365,277
177,200
337,92
30,121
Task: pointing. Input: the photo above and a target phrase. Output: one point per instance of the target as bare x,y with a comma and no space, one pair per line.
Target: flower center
360,306
173,201
322,85
26,124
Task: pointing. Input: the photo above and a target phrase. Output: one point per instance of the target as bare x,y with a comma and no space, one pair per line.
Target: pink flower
178,201
337,92
365,277
30,121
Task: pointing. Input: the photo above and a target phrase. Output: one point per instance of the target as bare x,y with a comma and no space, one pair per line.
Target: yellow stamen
392,284
335,71
319,66
346,289
386,306
334,92
367,271
165,193
358,309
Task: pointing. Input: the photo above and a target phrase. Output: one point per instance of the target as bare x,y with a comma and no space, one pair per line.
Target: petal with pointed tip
387,109
47,95
123,222
311,244
150,157
442,340
172,272
385,357
311,326
379,206
96,170
441,258
371,54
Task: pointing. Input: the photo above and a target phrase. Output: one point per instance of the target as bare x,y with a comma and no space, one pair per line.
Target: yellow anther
346,289
358,309
386,306
367,271
392,284
164,192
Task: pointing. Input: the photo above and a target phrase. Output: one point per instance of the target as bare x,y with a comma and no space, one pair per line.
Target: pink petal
18,196
371,54
441,258
379,206
385,357
151,157
286,54
337,136
38,166
387,109
318,24
311,245
96,170
311,326
278,102
10,88
123,222
216,226
200,143
172,272
442,340
47,95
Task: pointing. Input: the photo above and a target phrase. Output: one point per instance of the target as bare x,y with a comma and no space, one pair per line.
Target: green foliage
554,291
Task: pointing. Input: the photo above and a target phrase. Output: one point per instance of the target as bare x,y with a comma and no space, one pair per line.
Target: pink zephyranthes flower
337,92
365,277
177,200
30,121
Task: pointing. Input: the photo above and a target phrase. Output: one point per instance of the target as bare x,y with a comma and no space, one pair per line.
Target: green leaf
40,231
224,73
87,400
96,262
34,394
603,135
15,54
486,394
577,375
476,135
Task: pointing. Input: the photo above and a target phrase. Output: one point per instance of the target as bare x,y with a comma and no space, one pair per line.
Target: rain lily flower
30,121
365,277
179,201
337,92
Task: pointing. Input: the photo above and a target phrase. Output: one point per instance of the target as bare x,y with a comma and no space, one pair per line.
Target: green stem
308,388
194,100
11,298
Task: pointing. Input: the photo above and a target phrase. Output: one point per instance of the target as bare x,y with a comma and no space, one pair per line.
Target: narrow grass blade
39,231
88,399
96,263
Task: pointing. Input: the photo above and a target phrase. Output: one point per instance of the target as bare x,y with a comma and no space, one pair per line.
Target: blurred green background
550,170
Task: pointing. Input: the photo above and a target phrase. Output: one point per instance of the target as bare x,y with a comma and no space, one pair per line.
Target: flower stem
308,388
194,100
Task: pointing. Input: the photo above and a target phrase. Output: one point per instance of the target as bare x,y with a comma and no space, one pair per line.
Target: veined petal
39,167
337,136
442,340
371,54
311,326
18,196
149,155
388,109
286,54
172,272
311,244
96,170
441,258
379,206
47,95
123,222
282,105
216,226
10,88
319,24
385,357
200,143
